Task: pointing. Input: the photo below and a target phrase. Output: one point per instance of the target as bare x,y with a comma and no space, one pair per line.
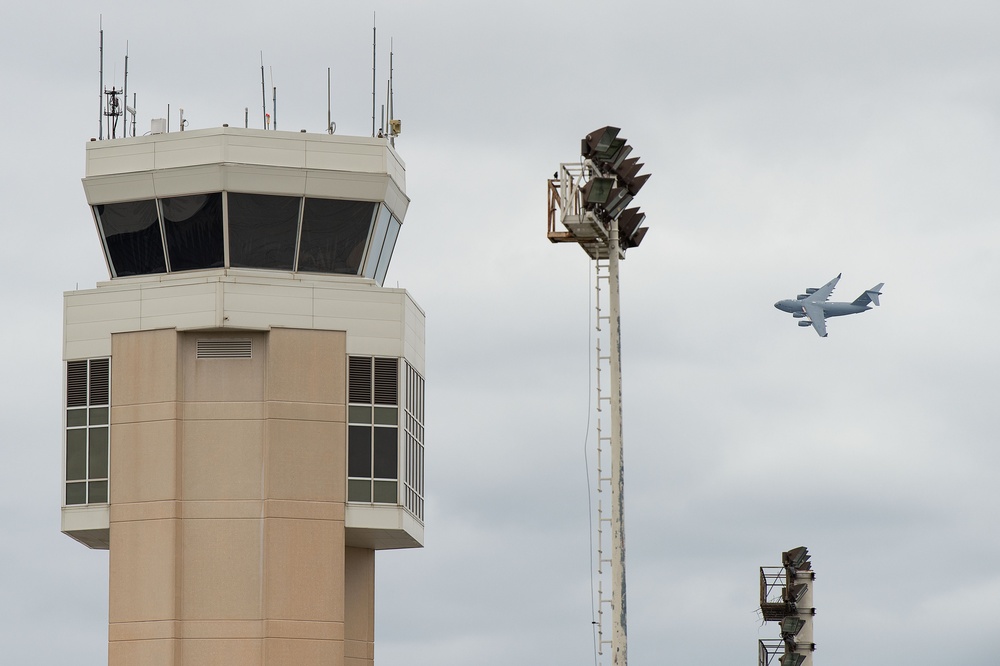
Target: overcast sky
788,141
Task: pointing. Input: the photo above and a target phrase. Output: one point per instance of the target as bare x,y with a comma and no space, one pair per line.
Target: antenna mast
100,115
274,103
329,119
374,42
390,131
263,90
125,94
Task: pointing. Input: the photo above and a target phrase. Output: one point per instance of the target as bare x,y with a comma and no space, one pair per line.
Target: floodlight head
619,199
796,558
794,593
630,231
629,168
629,221
606,155
627,172
791,625
596,191
636,183
637,237
616,160
792,659
598,141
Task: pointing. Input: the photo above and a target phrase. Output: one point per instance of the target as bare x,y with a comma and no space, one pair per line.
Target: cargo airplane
814,306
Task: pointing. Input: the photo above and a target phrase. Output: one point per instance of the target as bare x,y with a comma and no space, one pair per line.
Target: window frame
88,406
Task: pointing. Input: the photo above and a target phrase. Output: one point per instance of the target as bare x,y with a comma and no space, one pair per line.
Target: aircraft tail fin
870,296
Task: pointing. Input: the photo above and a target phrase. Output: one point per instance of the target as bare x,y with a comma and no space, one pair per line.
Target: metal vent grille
360,379
100,381
239,348
386,381
76,384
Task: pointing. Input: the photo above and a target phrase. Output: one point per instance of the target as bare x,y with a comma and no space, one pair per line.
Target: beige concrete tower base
227,505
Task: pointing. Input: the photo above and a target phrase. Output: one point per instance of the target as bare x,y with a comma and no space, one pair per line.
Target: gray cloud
788,142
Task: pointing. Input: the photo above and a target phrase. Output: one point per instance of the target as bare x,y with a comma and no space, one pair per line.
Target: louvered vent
386,381
100,381
359,379
240,348
76,384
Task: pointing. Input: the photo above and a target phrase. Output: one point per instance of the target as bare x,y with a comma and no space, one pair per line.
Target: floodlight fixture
627,175
629,221
619,199
792,659
606,155
794,593
598,141
596,191
791,625
796,558
637,237
629,168
616,160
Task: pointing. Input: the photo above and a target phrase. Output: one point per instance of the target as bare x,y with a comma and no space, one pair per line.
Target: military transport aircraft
814,308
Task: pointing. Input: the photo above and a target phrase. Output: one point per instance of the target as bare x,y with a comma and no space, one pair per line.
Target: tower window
247,230
385,433
88,412
413,436
373,430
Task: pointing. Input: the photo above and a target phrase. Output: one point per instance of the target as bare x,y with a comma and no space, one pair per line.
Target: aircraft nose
778,305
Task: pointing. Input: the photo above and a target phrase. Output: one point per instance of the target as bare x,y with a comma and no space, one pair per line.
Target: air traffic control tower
244,400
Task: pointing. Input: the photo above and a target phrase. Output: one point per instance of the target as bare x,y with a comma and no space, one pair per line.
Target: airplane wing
816,315
822,295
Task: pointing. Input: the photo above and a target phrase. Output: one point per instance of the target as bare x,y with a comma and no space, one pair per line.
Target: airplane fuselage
794,305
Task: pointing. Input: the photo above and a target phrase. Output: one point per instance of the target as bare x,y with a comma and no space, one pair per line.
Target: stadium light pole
619,632
591,199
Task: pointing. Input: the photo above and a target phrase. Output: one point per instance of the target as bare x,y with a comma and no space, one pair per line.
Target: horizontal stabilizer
870,296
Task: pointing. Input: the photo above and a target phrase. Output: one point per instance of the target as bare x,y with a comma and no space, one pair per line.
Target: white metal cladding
268,162
225,348
378,321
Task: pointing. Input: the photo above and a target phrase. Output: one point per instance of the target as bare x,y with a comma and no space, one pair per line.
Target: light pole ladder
602,360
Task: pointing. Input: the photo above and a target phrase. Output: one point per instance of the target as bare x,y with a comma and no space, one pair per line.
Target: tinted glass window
378,238
387,247
262,231
385,492
386,453
76,454
132,233
359,451
97,461
334,233
76,493
193,226
98,492
357,490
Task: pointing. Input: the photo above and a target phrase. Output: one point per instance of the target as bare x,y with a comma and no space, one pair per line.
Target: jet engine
811,290
801,296
798,315
805,323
